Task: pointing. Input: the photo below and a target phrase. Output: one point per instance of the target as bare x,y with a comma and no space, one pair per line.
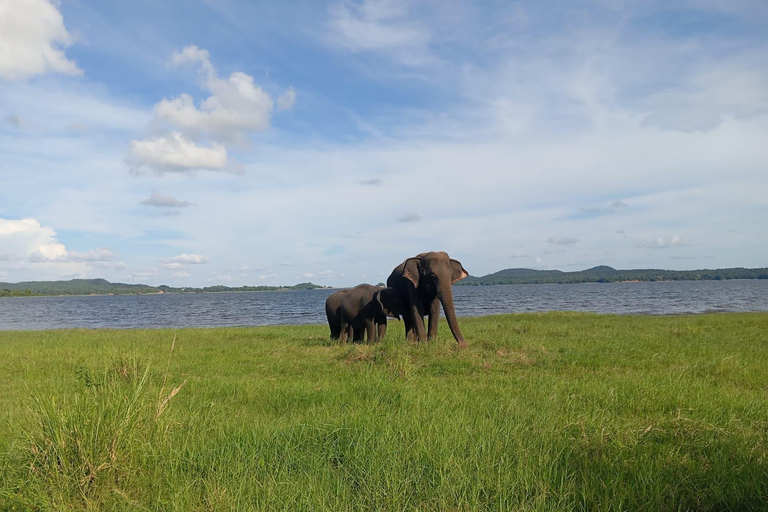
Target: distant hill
104,287
606,274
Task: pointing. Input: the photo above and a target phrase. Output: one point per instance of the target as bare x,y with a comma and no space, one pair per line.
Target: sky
270,143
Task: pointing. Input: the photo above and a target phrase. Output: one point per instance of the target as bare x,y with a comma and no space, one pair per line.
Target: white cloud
143,274
611,208
180,261
100,254
163,201
26,239
379,26
192,53
235,108
286,100
660,242
32,35
325,274
175,153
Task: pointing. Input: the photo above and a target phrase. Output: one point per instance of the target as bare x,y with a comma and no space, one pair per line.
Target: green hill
104,287
606,274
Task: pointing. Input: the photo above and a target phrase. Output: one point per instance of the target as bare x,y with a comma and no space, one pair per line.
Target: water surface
307,306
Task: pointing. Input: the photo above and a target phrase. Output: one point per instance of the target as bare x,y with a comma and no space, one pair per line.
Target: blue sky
224,142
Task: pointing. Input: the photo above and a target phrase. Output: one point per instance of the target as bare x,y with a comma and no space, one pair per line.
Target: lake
307,306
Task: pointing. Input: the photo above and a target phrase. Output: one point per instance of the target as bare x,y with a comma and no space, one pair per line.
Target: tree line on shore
104,287
605,274
601,274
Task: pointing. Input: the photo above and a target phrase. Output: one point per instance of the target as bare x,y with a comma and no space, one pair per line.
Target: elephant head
389,302
432,274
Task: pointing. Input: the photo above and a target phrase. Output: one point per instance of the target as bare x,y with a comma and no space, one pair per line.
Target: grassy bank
542,412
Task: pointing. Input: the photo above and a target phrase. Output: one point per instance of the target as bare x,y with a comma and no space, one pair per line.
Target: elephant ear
379,296
411,270
458,271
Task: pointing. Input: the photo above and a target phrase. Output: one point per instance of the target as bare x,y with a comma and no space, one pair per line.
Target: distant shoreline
157,293
291,289
511,276
605,274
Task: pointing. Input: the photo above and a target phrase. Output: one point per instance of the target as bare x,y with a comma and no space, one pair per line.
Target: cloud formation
175,153
381,26
26,240
163,201
236,108
286,100
660,242
616,205
409,217
32,38
373,182
562,240
182,260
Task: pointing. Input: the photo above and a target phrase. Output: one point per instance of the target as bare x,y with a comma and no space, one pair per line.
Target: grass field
556,411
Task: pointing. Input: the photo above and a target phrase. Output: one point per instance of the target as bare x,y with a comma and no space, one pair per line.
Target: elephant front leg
416,312
382,329
408,328
418,324
434,318
370,330
344,332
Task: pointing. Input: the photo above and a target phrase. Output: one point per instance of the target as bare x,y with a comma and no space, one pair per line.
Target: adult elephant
423,283
365,308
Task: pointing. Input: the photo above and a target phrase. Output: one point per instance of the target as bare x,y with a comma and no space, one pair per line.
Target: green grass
556,411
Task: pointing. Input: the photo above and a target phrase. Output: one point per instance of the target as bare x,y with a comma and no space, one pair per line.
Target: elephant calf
333,313
367,307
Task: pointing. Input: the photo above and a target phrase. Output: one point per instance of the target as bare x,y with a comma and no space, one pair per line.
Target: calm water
302,307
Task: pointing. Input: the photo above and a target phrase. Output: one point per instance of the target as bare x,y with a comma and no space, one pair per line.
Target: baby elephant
367,307
333,313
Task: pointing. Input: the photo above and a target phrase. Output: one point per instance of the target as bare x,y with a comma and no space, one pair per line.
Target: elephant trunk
445,294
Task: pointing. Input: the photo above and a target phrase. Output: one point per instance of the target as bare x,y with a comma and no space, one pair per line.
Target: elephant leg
344,331
382,329
370,330
416,311
359,332
408,327
434,318
418,324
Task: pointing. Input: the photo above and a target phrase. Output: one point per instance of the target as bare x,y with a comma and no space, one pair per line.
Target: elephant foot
463,344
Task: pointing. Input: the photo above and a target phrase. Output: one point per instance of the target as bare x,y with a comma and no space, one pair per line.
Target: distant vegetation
601,274
104,287
605,274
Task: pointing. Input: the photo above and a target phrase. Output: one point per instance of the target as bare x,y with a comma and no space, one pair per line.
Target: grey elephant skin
423,283
365,308
333,313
